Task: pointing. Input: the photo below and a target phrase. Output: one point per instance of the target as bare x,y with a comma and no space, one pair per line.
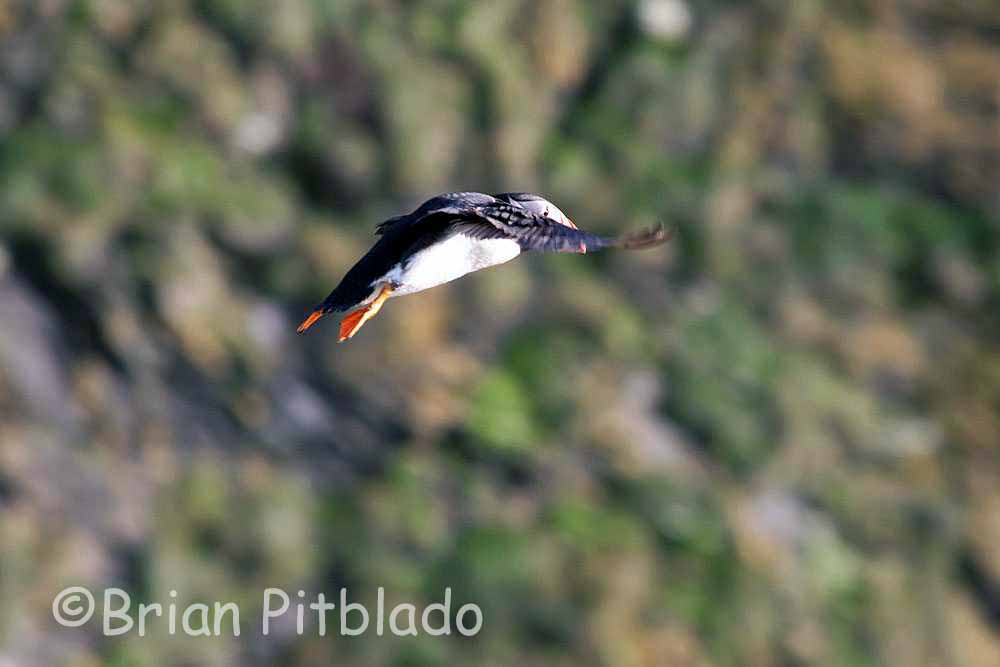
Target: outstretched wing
456,205
532,232
384,226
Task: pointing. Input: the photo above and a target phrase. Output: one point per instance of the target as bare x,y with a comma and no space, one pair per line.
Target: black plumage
531,221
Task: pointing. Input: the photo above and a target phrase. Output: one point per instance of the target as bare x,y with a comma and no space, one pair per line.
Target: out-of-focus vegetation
775,441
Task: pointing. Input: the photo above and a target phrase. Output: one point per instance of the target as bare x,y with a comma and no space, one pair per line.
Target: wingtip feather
647,238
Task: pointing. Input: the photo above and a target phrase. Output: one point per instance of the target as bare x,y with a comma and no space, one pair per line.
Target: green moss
501,415
593,527
721,385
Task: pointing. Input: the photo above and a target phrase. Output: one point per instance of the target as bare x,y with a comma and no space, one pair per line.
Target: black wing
532,232
384,226
402,237
455,204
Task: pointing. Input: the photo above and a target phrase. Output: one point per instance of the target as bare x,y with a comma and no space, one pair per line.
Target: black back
399,239
533,221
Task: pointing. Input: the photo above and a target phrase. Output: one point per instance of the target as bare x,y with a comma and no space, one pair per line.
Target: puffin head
538,205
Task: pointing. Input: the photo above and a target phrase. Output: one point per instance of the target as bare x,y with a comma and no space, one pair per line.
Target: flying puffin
454,234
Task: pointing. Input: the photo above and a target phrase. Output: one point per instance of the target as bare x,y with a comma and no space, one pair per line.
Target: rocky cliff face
774,440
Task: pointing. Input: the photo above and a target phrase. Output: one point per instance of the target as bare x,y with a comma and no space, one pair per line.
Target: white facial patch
545,209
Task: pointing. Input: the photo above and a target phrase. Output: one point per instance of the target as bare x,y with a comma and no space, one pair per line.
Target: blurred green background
775,441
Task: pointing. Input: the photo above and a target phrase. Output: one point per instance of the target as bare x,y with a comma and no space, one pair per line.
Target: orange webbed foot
309,321
351,323
354,320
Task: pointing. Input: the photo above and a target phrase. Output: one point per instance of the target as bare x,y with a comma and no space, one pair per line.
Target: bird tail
330,304
347,295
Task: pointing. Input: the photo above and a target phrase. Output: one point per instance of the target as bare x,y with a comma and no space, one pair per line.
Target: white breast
450,259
